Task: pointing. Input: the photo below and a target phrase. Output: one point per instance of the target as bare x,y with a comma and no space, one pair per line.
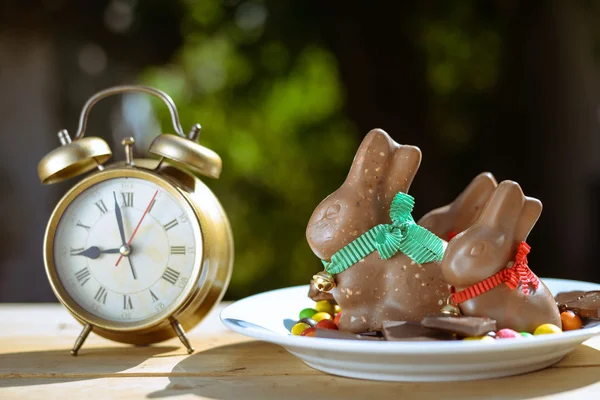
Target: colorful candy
546,329
307,313
337,317
321,316
327,315
570,321
325,306
299,328
484,338
507,334
326,324
311,332
311,322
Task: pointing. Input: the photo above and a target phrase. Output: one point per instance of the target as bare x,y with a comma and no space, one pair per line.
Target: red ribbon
519,272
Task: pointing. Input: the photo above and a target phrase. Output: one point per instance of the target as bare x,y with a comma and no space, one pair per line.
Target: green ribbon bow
403,235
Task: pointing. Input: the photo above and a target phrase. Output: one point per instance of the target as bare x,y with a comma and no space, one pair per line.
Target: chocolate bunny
375,290
457,216
517,299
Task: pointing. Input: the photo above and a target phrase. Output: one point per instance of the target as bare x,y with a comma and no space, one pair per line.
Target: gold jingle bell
450,309
83,154
323,281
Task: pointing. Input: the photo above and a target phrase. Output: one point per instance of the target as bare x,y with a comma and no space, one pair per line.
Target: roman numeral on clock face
127,199
74,252
100,204
170,224
127,304
154,297
151,206
87,228
100,296
178,250
83,275
171,275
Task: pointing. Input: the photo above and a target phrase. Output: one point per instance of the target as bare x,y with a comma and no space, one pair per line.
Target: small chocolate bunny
448,221
375,290
487,264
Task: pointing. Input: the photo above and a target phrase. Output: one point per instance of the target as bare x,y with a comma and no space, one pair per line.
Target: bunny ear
503,210
529,215
471,202
371,159
402,171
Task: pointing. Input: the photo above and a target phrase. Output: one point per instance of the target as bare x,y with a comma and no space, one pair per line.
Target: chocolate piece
309,321
590,323
464,326
374,290
565,297
335,334
586,304
489,246
315,295
412,331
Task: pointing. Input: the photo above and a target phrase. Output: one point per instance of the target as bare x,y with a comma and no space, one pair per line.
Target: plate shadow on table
57,366
225,373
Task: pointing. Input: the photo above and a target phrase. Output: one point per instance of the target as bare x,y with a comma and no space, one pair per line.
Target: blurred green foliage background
275,116
286,89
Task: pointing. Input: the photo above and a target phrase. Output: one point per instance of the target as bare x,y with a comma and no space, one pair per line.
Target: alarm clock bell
80,155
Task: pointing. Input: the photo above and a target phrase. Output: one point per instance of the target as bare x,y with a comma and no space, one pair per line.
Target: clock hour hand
95,252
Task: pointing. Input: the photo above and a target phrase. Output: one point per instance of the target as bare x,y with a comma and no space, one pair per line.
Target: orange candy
570,321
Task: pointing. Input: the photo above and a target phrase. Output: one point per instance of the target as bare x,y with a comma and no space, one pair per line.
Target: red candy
326,324
507,334
337,317
309,332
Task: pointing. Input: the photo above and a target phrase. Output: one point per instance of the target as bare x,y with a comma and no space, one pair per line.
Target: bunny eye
478,249
332,211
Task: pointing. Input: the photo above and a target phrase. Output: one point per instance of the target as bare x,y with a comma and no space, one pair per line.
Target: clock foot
82,336
182,336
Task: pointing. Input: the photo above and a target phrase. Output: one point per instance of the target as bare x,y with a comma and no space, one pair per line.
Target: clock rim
57,285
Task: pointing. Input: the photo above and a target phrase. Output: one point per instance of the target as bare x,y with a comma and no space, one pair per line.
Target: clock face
125,249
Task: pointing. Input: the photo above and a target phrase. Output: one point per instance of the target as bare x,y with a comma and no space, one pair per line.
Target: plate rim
403,347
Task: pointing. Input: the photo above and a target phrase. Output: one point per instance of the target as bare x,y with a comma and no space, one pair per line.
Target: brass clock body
211,272
173,175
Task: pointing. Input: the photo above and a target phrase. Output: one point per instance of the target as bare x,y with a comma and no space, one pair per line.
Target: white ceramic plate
401,361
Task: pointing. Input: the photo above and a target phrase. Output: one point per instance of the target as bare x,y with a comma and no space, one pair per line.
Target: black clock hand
120,221
132,268
95,252
122,233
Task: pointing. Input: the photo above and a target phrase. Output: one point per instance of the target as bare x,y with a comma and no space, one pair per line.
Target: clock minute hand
119,220
94,252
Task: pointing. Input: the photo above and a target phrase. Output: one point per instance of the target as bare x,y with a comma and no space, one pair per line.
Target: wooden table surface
35,363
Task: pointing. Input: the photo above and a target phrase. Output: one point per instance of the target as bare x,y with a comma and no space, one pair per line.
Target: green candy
307,313
526,334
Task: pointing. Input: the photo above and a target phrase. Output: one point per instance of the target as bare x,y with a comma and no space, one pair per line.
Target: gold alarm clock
138,251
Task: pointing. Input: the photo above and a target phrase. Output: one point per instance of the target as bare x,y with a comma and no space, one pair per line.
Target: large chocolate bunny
449,220
375,290
486,249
